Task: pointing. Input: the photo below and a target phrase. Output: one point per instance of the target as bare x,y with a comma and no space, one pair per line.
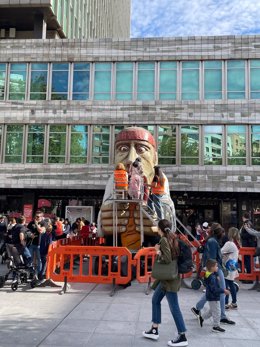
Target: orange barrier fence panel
243,275
90,264
144,260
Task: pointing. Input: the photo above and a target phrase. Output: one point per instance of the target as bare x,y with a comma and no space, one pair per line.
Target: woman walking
167,251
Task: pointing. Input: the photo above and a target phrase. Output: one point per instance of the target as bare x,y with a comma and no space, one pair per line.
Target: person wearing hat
131,143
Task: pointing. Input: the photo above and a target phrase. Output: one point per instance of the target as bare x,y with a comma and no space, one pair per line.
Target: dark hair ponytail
166,227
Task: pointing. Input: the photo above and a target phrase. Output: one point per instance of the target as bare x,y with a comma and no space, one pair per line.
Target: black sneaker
201,320
218,330
227,321
151,334
181,340
195,311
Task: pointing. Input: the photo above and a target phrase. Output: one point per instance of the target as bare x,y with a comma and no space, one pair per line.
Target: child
230,259
213,292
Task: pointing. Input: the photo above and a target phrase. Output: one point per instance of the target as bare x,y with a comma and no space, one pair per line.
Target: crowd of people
32,239
220,261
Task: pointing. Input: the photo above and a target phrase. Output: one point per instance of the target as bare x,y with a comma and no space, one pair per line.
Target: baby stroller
20,272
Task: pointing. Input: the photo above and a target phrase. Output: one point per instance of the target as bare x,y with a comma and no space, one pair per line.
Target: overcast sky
168,18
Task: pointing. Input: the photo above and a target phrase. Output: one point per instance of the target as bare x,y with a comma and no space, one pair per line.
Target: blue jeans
35,250
200,304
155,204
27,256
230,285
172,299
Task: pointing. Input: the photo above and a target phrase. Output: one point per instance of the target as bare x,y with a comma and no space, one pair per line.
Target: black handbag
165,272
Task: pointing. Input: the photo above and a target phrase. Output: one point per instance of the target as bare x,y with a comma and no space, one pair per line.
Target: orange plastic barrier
255,272
144,260
89,264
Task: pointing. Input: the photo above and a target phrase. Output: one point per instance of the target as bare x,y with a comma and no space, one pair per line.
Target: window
255,144
167,144
57,144
81,81
124,81
18,73
79,144
190,145
168,80
102,84
100,144
236,145
14,144
235,79
60,78
2,80
255,79
190,80
35,144
212,80
39,73
213,145
145,81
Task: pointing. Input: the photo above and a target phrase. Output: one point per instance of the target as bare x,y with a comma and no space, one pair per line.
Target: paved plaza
88,316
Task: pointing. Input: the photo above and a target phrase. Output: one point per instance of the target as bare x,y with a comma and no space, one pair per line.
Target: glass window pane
168,80
145,81
35,145
236,79
213,145
2,80
60,78
79,144
18,73
255,79
189,145
102,83
14,144
57,144
236,144
39,73
81,76
190,80
124,81
100,145
167,144
212,80
255,144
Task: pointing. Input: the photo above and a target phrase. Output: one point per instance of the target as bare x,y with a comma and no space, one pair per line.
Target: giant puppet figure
131,143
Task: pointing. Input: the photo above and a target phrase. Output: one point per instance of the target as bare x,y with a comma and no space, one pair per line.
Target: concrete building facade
71,19
63,101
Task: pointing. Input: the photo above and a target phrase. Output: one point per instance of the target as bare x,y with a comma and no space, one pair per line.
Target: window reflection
167,144
100,144
17,83
81,75
255,79
39,73
236,79
79,144
2,80
60,78
168,80
189,145
102,84
212,80
213,145
145,81
236,144
255,144
124,81
190,80
57,144
14,144
35,145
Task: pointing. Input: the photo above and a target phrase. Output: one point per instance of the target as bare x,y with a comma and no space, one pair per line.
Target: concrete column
40,26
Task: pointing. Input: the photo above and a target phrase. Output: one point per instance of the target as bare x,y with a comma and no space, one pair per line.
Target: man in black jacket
247,240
